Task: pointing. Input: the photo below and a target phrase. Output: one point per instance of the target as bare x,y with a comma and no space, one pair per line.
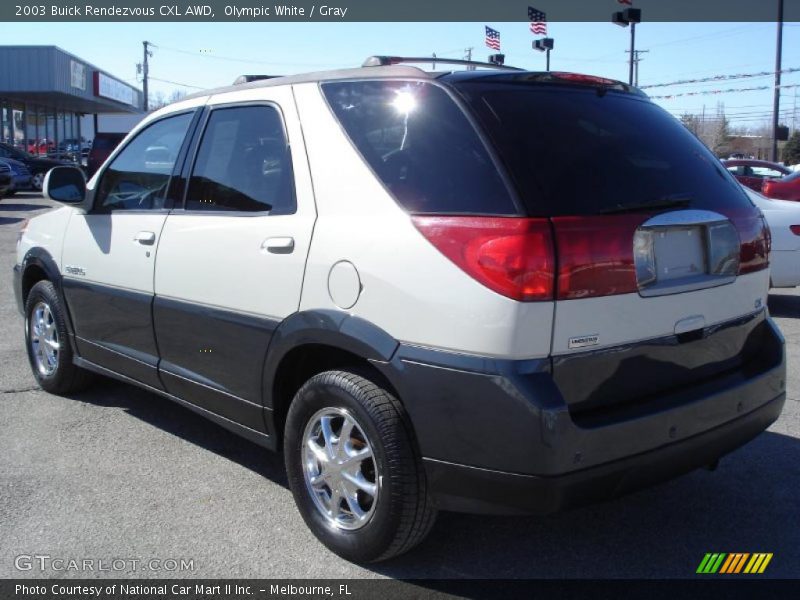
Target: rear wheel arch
312,342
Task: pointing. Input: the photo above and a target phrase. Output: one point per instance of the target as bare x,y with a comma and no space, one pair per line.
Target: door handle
146,238
278,245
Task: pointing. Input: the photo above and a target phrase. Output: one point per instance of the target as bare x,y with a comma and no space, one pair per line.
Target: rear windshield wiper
666,202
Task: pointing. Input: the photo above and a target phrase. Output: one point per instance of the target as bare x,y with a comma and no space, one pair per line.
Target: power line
717,34
245,60
730,90
716,78
186,85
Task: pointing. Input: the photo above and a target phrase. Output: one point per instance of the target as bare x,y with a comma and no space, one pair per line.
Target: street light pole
623,18
777,98
544,45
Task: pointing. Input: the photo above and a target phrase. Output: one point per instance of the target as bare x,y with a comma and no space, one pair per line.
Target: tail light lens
512,256
595,255
756,243
795,229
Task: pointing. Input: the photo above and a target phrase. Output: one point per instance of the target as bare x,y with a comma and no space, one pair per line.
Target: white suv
483,291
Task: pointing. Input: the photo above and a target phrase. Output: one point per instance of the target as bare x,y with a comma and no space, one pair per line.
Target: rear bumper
498,436
470,489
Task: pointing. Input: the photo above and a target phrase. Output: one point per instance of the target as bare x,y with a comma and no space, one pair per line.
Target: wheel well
302,363
32,275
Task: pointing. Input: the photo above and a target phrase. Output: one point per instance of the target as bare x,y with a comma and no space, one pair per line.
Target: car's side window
243,163
766,172
138,178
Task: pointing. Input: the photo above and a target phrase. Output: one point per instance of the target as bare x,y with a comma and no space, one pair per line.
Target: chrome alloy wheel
340,469
44,339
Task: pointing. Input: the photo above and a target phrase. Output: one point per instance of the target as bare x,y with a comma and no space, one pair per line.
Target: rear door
231,260
109,253
662,266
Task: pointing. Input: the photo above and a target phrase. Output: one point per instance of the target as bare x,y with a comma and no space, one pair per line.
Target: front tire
354,469
47,342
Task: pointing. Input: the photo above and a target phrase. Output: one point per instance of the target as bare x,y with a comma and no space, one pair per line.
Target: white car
490,291
783,218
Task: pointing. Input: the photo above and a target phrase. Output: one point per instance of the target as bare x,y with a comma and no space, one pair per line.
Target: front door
109,253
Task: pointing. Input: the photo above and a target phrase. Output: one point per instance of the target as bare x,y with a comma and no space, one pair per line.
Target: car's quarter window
421,145
243,163
138,177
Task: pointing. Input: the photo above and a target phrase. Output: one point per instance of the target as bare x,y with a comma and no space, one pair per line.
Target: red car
755,173
787,188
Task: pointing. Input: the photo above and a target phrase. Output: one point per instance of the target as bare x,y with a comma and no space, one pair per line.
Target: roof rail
382,61
248,78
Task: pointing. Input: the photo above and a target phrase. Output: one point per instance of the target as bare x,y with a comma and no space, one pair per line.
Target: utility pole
636,60
145,74
468,56
777,102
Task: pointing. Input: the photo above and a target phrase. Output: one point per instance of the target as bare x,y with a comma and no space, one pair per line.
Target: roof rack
383,61
248,78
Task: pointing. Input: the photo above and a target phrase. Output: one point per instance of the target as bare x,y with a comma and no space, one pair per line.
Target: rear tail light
516,257
512,256
756,243
795,229
595,255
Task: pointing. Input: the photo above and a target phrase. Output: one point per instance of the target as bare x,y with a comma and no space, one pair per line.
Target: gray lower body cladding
481,420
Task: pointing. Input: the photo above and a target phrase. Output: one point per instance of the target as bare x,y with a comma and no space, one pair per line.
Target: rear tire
389,511
47,342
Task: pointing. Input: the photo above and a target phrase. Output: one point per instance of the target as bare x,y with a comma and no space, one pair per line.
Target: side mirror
65,184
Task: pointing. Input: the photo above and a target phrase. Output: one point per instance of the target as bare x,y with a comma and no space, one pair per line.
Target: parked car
103,145
5,179
783,218
40,147
471,327
753,173
20,176
786,188
37,166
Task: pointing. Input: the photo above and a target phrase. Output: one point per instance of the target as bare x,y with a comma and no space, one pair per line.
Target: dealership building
44,92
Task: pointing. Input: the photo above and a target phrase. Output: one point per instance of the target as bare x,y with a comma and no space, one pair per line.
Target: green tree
791,151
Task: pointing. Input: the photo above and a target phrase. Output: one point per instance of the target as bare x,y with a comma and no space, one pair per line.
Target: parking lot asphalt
119,473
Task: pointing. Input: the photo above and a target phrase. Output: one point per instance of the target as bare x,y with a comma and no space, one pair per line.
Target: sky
193,56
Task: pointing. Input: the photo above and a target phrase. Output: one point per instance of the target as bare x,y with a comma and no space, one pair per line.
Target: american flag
493,38
538,21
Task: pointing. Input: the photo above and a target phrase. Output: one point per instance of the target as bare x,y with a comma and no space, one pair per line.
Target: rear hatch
661,259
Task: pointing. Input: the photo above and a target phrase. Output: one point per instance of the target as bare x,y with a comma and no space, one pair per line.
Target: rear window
422,147
579,151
